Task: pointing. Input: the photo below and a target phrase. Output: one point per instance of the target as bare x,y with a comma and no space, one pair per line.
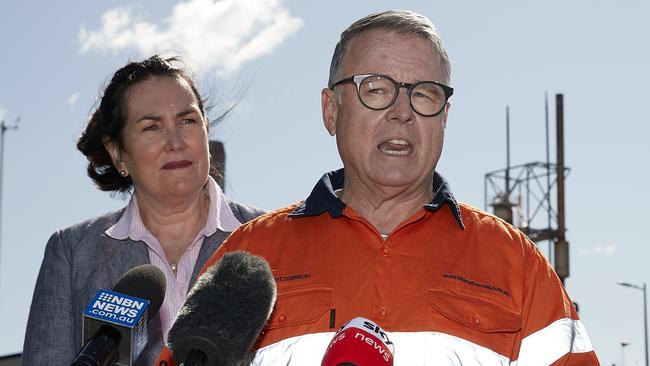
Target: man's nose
401,110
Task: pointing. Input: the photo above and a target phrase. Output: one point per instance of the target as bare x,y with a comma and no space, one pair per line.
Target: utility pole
561,249
3,128
645,315
623,345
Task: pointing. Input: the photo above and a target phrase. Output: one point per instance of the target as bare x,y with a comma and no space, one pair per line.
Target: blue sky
56,56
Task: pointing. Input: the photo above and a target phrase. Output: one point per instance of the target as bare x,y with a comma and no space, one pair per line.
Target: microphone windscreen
146,282
225,311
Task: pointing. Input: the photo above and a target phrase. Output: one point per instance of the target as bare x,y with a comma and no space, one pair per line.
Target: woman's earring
123,173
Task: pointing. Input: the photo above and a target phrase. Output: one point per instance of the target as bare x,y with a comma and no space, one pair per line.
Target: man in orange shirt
385,239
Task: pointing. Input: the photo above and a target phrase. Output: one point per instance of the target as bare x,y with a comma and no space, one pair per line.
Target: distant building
218,161
10,360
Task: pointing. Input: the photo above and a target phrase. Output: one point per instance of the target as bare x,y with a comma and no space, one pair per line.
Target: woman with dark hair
148,136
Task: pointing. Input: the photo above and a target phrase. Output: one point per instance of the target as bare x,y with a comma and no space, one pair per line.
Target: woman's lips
180,164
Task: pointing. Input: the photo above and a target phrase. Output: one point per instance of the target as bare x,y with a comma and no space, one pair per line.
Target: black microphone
224,312
115,322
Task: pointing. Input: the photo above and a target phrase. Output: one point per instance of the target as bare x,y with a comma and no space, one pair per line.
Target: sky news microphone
224,312
360,342
115,322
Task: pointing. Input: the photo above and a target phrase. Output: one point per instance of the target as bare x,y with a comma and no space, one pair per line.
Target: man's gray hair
398,21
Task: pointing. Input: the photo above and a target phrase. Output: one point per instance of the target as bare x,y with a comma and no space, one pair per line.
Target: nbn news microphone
115,322
360,342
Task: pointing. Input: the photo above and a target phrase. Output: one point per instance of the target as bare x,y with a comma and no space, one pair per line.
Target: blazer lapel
122,255
210,245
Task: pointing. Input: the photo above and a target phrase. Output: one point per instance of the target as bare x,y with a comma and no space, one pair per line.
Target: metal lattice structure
527,190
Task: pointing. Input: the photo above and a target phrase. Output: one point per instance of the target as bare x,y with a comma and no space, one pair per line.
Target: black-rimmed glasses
377,92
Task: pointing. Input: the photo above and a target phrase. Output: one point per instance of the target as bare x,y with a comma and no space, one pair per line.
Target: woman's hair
108,120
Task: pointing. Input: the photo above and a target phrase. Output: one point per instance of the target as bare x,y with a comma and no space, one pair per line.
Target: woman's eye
151,127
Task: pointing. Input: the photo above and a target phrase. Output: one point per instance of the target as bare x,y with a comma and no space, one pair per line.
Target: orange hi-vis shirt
452,285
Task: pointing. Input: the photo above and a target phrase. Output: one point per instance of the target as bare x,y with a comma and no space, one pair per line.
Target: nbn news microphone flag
127,313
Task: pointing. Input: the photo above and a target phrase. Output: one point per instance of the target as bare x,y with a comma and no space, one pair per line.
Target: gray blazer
80,260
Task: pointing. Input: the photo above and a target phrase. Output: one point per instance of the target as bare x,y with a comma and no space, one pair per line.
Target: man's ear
446,115
330,110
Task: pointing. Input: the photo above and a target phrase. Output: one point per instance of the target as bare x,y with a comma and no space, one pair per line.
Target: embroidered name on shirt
473,283
302,276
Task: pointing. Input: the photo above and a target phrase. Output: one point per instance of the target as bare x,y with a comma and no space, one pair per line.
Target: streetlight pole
3,129
645,315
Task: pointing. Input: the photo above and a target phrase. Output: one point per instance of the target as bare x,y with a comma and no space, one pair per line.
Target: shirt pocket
473,312
301,307
481,322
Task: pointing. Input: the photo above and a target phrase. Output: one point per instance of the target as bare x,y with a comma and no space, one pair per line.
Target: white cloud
209,34
72,99
605,250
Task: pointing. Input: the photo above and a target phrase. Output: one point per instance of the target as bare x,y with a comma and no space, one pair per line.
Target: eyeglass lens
379,92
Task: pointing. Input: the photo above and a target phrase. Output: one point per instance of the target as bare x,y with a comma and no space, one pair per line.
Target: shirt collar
220,216
323,199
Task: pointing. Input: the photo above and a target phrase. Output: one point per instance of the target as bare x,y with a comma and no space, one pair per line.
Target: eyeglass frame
359,78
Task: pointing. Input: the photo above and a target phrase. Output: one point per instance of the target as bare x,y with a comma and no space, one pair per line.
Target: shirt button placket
385,251
383,312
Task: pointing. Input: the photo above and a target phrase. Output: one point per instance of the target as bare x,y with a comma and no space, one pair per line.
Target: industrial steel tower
522,194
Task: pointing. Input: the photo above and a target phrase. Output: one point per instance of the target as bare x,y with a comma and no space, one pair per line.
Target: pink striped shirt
130,226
